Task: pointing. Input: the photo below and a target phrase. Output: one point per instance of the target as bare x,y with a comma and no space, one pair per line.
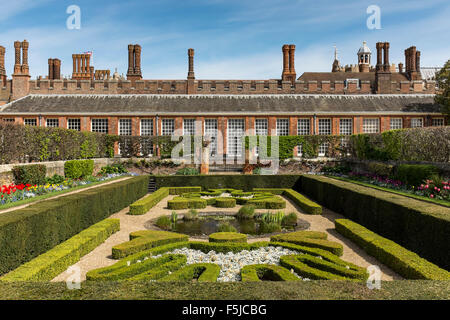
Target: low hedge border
176,262
306,240
28,232
256,272
143,240
180,203
304,270
226,247
203,272
106,272
181,190
307,205
225,203
418,226
221,237
406,263
142,206
55,261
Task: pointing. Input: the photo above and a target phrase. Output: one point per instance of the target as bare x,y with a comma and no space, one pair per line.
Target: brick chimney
21,76
191,74
2,67
383,73
412,62
292,62
288,73
134,63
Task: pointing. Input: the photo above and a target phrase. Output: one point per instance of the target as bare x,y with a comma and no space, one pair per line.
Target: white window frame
420,120
210,127
261,129
369,127
33,120
282,127
48,123
125,127
328,130
100,122
235,132
189,127
398,125
167,127
78,126
434,120
303,129
149,125
344,128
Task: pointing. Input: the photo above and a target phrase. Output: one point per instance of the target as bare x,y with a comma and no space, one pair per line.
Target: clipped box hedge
228,237
146,239
225,203
313,240
142,206
202,272
242,182
256,272
176,262
181,190
55,261
75,169
307,205
30,174
406,263
419,226
114,271
180,203
28,232
225,247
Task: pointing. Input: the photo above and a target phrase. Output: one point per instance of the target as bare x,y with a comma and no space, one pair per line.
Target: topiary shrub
414,174
312,239
76,169
246,212
265,272
225,202
31,174
227,237
202,272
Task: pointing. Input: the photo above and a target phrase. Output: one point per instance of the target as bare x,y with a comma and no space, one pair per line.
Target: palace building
350,99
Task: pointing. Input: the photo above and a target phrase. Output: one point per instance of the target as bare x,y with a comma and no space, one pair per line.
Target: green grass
52,194
298,290
406,194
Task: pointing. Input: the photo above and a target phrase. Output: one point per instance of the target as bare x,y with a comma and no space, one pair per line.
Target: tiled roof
219,104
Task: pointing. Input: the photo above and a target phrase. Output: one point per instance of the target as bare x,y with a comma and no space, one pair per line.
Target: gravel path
101,256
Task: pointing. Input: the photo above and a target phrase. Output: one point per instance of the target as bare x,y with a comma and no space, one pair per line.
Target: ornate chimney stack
380,46
191,74
387,66
56,69
400,67
383,73
2,67
412,61
21,76
50,69
25,68
134,62
288,73
82,70
17,64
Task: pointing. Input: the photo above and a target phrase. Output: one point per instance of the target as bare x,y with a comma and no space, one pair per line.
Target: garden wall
419,226
243,182
28,232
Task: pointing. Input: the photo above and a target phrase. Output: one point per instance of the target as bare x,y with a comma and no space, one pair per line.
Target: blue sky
233,39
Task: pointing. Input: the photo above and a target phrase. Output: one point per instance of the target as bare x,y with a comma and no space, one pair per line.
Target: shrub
381,169
202,272
176,262
304,203
115,168
246,212
143,240
226,227
290,219
31,174
225,202
191,215
163,222
180,203
117,270
55,261
28,232
314,240
142,206
188,172
404,262
267,202
224,247
414,174
418,226
259,272
269,227
228,237
76,169
55,179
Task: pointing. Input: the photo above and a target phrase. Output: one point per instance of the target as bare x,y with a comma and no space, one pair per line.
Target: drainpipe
314,124
157,135
40,120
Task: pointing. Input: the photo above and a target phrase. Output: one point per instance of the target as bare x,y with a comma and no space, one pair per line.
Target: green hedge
256,272
226,247
243,182
319,269
31,174
55,261
180,203
267,202
75,169
146,239
202,272
177,261
114,271
181,190
227,237
28,232
404,262
142,206
225,203
419,226
309,240
414,174
307,205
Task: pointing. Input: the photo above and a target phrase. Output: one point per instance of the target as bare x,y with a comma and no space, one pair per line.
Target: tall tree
443,81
